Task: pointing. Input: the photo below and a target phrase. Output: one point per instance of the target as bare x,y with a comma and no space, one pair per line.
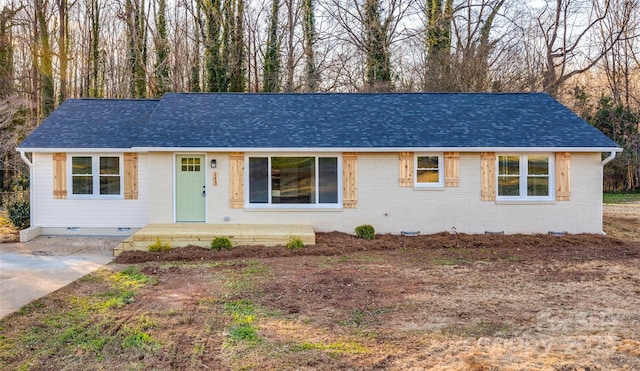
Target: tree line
585,53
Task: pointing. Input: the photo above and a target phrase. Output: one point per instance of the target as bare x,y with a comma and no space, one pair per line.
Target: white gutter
371,149
604,162
26,160
81,150
323,149
609,159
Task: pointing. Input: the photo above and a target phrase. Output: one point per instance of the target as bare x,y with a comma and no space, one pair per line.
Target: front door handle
204,191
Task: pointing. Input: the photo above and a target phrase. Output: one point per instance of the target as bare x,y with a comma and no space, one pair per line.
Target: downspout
26,160
609,159
604,162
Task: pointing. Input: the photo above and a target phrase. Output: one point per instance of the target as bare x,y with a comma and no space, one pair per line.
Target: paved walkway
36,268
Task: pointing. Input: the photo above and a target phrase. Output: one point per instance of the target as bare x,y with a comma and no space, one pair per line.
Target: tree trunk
309,49
46,60
63,48
271,71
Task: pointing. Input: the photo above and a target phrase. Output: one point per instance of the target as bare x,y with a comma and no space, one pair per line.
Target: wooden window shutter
406,169
488,176
236,180
451,169
349,180
130,176
563,176
59,175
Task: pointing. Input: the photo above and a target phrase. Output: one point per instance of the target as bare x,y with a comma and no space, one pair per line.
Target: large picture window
525,176
289,180
96,176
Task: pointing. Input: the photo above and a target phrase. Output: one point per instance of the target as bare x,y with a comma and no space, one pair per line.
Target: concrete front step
180,235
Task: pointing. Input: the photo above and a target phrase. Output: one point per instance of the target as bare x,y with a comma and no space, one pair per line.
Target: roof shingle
308,121
92,123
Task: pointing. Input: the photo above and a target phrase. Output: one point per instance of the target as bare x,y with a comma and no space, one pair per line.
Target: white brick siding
381,201
93,213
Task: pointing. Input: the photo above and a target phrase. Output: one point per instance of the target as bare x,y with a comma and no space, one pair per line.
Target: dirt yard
447,302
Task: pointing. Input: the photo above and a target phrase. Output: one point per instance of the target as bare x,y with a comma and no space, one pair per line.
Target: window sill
76,197
429,188
525,202
291,208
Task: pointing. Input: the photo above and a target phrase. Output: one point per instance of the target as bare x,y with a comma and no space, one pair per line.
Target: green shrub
159,246
17,206
295,243
221,243
365,231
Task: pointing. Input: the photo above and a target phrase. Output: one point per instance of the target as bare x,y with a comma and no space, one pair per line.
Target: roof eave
378,149
321,149
73,150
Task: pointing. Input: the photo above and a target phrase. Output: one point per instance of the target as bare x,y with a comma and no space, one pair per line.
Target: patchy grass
620,198
336,348
478,330
524,305
79,324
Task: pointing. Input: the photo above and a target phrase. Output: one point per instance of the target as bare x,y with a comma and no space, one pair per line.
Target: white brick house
518,163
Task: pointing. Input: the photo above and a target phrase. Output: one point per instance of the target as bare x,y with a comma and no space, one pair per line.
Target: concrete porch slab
186,234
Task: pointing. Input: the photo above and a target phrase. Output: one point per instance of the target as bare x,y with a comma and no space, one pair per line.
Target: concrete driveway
36,268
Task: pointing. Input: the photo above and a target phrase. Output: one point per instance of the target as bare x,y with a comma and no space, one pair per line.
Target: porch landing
180,235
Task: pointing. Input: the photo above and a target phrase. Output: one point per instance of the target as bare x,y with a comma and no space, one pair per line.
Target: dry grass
542,302
7,232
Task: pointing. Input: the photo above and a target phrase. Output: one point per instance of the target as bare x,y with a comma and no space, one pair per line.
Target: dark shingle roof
366,121
92,123
358,121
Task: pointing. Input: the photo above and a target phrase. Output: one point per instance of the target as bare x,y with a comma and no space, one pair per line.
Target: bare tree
372,27
309,26
618,64
135,19
63,47
570,49
45,58
161,83
6,50
271,66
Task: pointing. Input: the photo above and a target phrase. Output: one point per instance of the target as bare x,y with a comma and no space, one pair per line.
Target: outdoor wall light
213,164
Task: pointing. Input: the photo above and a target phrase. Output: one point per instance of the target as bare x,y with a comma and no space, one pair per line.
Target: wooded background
586,53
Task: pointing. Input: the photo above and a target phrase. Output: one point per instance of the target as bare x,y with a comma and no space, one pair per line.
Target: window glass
258,180
81,165
538,175
509,175
109,175
109,185
82,179
293,180
538,165
82,185
509,165
524,176
106,180
428,170
328,182
109,165
190,164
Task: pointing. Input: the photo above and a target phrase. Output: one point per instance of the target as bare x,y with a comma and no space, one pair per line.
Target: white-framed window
293,181
525,176
96,176
429,170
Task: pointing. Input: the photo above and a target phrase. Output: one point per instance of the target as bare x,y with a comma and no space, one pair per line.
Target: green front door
191,194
